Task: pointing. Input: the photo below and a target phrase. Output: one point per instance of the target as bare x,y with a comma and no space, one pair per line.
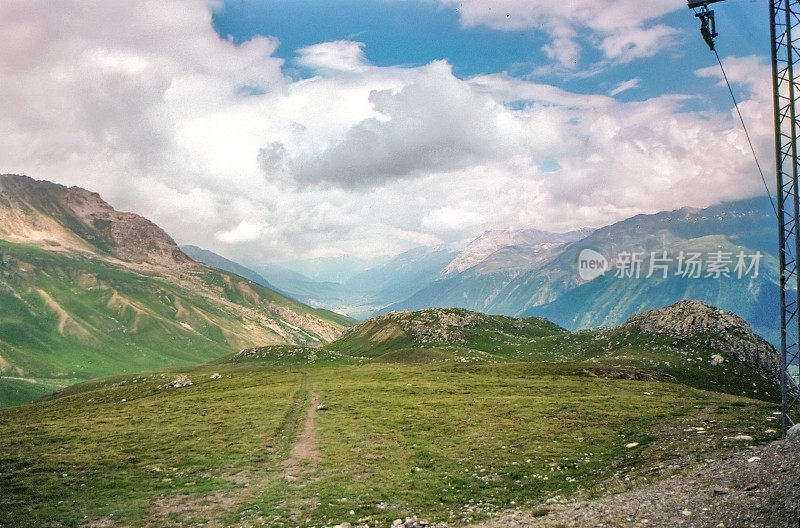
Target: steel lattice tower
784,18
785,36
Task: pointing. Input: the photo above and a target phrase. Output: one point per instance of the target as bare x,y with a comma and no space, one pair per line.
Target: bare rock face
71,218
725,331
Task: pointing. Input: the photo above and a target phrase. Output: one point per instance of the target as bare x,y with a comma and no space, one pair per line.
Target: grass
506,415
451,441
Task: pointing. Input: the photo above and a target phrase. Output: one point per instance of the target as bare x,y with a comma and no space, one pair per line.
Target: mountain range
535,273
86,291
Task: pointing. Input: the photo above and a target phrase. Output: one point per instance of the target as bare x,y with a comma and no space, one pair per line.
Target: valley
528,272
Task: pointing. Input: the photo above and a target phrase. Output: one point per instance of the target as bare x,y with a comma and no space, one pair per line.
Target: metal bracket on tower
708,26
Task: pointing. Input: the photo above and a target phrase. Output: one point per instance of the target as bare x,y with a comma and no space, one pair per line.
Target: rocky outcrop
435,325
449,326
724,331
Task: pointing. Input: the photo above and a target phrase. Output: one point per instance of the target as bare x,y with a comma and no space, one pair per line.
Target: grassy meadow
448,433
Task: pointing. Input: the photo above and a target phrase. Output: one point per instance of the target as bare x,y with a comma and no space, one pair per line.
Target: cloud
147,105
435,123
244,232
624,86
619,28
637,43
341,55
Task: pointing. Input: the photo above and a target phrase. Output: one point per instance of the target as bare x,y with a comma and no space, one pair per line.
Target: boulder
180,381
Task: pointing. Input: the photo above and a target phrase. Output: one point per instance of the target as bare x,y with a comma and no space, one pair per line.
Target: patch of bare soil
187,508
758,488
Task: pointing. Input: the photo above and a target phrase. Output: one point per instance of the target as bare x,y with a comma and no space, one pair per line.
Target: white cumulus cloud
146,104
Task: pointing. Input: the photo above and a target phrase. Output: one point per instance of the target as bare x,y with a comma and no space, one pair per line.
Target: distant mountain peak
491,241
52,216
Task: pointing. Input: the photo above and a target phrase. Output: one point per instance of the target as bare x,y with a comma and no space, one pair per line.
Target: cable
746,133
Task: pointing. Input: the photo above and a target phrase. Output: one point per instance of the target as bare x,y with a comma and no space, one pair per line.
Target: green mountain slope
79,301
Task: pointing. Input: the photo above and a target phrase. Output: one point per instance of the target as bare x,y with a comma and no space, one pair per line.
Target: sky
285,130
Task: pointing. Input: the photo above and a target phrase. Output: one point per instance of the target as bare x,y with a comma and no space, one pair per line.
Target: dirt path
292,448
305,446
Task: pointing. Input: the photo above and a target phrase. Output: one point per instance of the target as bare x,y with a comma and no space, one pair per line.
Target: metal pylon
785,35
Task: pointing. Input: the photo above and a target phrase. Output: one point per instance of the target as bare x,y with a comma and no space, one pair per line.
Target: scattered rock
216,375
720,493
740,438
322,407
716,359
180,381
632,444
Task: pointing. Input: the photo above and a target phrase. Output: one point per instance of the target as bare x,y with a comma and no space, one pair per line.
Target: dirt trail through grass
299,431
305,445
291,447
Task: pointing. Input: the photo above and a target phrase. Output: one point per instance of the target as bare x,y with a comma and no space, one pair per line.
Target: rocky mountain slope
55,217
87,291
759,486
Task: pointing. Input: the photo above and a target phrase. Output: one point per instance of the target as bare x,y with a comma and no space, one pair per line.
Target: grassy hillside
459,417
68,317
89,291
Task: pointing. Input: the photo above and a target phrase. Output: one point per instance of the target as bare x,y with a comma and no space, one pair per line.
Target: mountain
478,274
367,291
526,280
50,216
329,269
330,295
87,291
211,259
492,241
402,275
556,291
